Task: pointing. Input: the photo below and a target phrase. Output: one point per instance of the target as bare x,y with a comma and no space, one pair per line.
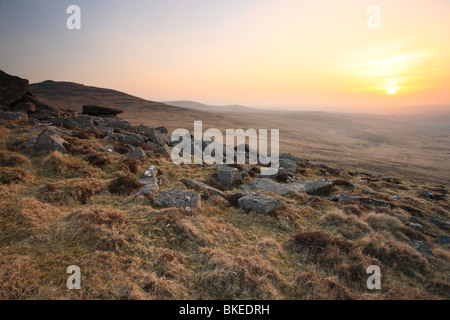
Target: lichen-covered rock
14,116
259,203
179,199
49,141
135,152
228,176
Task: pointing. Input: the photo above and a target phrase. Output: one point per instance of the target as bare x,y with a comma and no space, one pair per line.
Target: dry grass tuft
383,222
396,255
10,176
98,159
12,159
101,228
232,276
68,166
81,135
315,287
70,192
124,185
131,165
334,256
349,226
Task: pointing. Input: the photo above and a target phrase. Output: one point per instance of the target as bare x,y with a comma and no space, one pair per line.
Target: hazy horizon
292,55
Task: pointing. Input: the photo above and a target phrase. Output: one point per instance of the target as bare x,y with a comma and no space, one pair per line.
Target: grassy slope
128,249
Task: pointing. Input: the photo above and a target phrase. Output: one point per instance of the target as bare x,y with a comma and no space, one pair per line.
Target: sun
392,90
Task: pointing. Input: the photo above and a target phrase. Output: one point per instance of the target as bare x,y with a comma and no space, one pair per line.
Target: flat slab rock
170,198
313,187
203,186
100,111
259,203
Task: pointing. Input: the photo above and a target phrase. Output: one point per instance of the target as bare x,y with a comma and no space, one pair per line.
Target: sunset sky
303,55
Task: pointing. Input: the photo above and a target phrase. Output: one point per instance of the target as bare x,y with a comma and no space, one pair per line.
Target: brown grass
316,287
131,165
68,166
396,255
232,276
70,192
12,159
124,185
10,176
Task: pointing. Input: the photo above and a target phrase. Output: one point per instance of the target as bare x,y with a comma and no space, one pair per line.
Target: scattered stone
417,227
164,150
157,137
84,121
135,152
115,123
14,116
268,185
169,198
289,156
421,247
107,148
413,220
443,239
105,193
313,187
203,186
27,107
100,111
259,203
373,202
127,139
150,181
49,141
63,122
439,222
228,176
288,164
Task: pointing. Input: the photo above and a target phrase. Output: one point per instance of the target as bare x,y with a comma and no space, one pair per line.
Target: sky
282,54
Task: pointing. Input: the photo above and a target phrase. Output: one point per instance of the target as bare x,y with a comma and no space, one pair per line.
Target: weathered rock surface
180,199
288,164
439,222
228,176
267,185
417,227
259,203
204,187
49,141
100,111
23,107
164,150
135,152
14,116
12,89
421,247
313,187
373,202
443,239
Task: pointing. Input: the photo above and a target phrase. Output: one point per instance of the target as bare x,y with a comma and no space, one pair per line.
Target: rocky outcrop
14,116
12,89
259,203
169,198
